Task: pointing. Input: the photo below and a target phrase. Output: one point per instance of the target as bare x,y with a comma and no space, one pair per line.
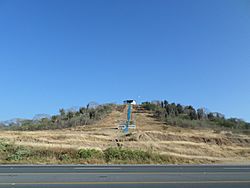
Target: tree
62,112
179,109
171,109
54,119
82,110
160,113
91,114
219,115
210,116
77,113
191,112
162,104
192,115
201,113
165,103
70,115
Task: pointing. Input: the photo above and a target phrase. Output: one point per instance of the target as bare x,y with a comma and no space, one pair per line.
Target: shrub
19,153
64,157
126,154
89,153
3,146
150,106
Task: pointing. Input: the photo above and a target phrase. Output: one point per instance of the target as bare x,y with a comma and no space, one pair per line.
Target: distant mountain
38,117
15,122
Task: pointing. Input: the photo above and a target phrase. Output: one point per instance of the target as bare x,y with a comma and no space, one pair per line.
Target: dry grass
183,145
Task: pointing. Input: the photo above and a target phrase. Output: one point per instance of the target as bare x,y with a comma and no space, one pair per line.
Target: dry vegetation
167,144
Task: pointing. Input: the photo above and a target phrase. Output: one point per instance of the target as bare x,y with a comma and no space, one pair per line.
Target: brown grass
181,144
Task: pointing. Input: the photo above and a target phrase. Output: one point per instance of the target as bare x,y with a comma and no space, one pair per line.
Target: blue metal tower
129,124
125,130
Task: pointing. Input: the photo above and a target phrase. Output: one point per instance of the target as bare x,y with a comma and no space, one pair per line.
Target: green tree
70,115
62,112
82,110
180,109
201,113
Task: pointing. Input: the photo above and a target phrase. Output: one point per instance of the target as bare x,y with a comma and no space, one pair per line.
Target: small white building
133,102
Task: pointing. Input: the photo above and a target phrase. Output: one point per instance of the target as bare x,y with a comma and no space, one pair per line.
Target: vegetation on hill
188,116
170,113
83,116
154,141
10,153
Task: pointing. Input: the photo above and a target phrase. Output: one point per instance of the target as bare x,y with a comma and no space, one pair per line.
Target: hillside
173,144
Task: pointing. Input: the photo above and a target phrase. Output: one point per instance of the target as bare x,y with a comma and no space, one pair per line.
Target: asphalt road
125,176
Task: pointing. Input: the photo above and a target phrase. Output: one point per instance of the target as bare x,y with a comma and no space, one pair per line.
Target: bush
3,146
19,153
150,106
188,123
126,155
64,157
89,153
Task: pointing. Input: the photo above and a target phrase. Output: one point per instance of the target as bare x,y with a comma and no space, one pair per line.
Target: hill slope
181,145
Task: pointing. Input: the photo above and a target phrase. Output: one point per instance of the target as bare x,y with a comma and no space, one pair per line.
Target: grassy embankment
10,153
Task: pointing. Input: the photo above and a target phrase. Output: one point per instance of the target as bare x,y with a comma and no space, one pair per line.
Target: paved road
125,176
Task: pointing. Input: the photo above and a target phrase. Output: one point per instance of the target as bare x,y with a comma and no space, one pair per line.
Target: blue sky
58,54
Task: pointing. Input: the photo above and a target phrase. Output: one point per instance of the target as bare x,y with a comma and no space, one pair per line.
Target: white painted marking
97,168
236,168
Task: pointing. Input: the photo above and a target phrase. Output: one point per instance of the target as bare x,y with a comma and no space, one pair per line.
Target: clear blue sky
58,54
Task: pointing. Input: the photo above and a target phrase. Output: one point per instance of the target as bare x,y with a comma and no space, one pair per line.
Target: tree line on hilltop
67,118
188,116
170,113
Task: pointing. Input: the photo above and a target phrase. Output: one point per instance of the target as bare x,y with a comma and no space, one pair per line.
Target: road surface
125,176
